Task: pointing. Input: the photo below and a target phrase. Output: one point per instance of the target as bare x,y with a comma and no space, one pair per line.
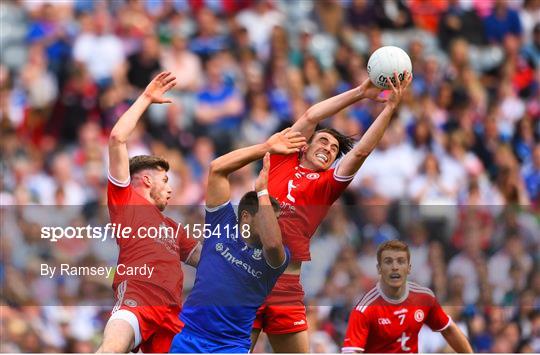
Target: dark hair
397,245
250,204
143,162
345,143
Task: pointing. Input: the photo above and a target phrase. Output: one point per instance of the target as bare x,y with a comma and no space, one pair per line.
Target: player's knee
118,337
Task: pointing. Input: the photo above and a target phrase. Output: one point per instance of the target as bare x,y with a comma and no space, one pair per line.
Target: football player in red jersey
306,185
389,317
146,312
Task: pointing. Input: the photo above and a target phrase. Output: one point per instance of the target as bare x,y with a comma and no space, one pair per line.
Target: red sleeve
118,194
357,333
332,186
437,318
187,245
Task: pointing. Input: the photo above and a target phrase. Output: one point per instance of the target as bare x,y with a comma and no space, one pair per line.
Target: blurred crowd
457,174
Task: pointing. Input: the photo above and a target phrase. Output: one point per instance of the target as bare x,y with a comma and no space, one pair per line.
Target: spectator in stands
361,15
467,264
208,40
458,22
259,21
393,14
219,106
531,175
98,49
431,187
503,20
144,63
531,50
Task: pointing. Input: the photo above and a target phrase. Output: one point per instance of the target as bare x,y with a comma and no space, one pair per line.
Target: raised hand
398,89
370,91
162,83
262,180
286,142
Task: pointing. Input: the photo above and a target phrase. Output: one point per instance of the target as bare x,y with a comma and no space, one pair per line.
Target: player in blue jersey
241,258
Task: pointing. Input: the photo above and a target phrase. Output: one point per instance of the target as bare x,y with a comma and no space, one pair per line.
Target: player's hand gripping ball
384,62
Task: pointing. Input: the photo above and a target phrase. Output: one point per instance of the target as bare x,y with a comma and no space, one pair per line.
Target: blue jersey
232,281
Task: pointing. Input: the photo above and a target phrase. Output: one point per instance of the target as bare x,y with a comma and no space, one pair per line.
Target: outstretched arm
118,153
219,190
456,339
307,123
354,159
266,221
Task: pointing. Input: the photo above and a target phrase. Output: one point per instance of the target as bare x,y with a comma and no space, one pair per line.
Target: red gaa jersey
382,325
129,209
305,197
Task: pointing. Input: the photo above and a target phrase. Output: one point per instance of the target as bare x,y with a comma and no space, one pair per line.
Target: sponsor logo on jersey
313,176
130,303
257,254
237,262
403,310
384,321
165,231
300,322
419,315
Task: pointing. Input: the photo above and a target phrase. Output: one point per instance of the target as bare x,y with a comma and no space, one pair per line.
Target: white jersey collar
392,300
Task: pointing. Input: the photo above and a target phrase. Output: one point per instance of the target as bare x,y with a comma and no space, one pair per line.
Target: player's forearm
230,162
456,339
329,107
373,135
268,225
354,159
333,105
127,122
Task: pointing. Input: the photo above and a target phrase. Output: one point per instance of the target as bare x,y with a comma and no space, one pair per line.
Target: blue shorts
187,342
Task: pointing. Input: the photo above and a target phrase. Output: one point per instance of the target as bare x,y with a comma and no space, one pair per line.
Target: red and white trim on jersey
446,326
339,177
367,299
120,291
117,182
125,314
420,289
350,350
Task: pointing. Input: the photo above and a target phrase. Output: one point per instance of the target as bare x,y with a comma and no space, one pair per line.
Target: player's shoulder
119,193
223,213
416,290
369,298
293,157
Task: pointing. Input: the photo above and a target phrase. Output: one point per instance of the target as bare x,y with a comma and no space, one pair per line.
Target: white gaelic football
384,62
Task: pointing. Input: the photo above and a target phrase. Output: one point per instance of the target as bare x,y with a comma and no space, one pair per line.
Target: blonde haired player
389,317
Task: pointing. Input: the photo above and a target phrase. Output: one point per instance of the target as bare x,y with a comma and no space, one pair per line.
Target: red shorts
283,311
154,323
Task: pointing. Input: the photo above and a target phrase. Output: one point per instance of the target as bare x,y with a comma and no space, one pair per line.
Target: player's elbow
273,245
361,153
310,116
115,138
216,167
